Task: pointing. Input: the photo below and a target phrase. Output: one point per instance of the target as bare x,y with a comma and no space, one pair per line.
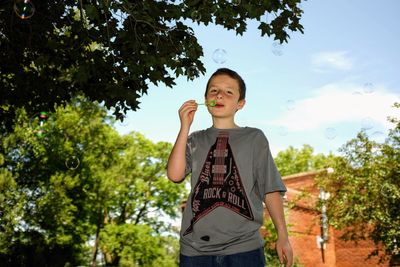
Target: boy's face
225,91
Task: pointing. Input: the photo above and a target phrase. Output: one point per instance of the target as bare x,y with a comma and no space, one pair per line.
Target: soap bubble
37,123
72,162
277,48
219,56
43,117
24,8
38,119
290,104
378,137
330,133
386,190
283,131
196,15
367,123
368,88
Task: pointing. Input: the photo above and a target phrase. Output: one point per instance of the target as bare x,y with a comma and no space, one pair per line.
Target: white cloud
340,103
326,61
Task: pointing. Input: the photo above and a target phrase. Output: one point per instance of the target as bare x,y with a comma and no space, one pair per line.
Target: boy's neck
224,124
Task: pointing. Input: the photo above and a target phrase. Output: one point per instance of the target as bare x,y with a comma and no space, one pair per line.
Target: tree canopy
72,188
294,160
112,50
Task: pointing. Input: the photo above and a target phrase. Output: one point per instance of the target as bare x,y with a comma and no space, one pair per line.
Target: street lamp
324,237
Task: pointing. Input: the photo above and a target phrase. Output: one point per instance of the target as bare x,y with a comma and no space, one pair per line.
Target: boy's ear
241,104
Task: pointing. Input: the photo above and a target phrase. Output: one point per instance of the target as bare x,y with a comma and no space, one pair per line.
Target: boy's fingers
188,107
187,104
288,259
280,256
284,260
284,256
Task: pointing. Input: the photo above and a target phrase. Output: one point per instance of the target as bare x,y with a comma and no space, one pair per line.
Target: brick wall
352,254
304,224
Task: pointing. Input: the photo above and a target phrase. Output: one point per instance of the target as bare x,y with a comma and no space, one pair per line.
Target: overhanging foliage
111,50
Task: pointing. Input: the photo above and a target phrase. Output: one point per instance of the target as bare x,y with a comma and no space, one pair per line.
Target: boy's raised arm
177,159
274,204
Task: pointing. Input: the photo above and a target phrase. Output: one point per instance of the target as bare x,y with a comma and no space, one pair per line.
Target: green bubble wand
211,103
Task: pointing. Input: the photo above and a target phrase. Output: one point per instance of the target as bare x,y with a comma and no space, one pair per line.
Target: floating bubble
368,88
367,123
38,119
43,116
378,137
24,8
357,93
72,162
283,131
219,56
196,15
235,2
277,48
37,123
330,133
290,104
386,190
123,123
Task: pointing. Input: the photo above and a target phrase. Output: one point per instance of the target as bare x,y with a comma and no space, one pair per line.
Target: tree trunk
97,239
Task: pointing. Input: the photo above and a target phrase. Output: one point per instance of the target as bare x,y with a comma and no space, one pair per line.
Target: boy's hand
285,253
186,113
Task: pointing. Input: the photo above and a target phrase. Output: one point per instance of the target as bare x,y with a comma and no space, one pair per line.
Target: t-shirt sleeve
266,174
188,168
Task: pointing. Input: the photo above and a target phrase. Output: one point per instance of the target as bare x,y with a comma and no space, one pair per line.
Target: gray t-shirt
232,170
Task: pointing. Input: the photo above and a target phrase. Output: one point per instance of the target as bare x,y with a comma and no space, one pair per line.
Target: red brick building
304,221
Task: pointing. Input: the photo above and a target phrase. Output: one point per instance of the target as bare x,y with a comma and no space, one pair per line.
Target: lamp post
324,237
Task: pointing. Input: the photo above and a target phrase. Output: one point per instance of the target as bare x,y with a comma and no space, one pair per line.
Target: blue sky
324,86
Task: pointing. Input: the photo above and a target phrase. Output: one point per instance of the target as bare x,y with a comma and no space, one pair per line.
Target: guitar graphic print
219,184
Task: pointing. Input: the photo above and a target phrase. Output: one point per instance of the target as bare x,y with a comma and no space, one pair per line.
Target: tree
68,177
365,191
111,50
293,160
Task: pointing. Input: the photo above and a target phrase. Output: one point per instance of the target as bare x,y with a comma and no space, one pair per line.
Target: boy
232,174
